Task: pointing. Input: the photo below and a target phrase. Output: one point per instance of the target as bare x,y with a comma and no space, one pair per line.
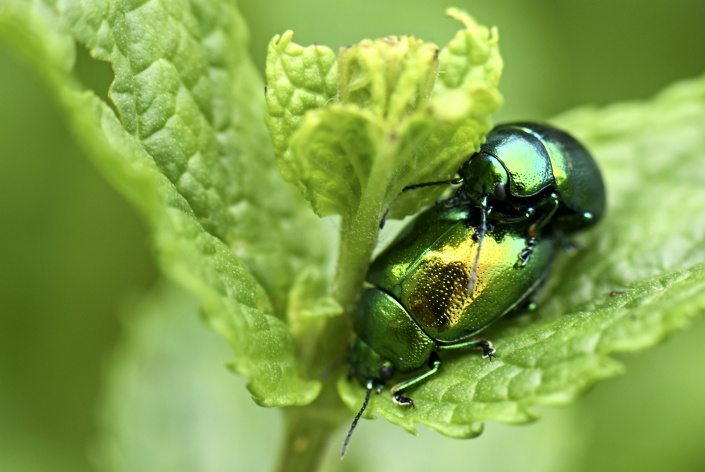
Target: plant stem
359,233
308,430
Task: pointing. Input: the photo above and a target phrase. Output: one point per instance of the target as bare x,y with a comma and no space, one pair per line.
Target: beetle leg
543,221
434,362
526,253
516,219
534,230
487,349
481,237
481,343
455,181
400,399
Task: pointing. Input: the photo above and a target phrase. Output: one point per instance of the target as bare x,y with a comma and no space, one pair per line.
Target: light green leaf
407,130
390,77
298,79
464,99
190,151
343,141
641,277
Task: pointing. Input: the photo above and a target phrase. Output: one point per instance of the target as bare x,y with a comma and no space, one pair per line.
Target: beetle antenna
357,417
483,231
455,181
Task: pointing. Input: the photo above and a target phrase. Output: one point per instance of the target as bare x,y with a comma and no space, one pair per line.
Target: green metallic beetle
531,172
419,304
434,288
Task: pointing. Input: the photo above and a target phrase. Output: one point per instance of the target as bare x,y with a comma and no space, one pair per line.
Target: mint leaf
298,79
190,151
465,97
641,278
387,126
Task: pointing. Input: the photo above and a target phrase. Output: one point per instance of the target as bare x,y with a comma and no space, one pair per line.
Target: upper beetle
534,172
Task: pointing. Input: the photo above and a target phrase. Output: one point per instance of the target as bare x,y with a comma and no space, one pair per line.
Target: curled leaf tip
494,36
462,16
281,42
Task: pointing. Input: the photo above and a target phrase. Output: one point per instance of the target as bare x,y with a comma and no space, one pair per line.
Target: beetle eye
500,193
385,373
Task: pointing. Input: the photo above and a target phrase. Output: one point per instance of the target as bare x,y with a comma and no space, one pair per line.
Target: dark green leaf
191,152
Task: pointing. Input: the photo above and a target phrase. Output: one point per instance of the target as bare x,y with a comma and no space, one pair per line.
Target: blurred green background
74,256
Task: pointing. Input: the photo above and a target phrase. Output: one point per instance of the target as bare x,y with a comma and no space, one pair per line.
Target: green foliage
186,143
388,123
177,152
148,413
392,121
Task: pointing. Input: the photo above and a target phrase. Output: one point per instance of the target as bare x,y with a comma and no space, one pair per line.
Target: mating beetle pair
474,257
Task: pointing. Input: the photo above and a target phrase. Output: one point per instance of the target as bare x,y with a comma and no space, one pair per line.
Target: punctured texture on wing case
427,270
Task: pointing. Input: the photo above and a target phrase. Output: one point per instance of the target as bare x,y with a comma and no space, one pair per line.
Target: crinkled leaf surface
190,150
400,113
641,277
463,101
298,79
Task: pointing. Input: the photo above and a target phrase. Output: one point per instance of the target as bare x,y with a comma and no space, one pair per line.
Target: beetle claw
525,255
400,399
487,350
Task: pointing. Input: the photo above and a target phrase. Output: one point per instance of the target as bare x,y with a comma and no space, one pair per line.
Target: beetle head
483,175
372,370
367,365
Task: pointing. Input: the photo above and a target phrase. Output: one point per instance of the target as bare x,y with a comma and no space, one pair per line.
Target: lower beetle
418,304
